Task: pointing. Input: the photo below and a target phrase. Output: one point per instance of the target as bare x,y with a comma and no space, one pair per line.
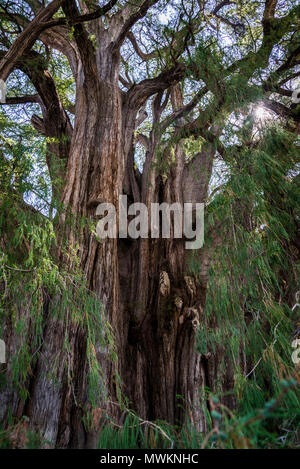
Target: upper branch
82,18
184,110
140,53
270,7
82,40
27,38
140,92
281,110
177,45
133,18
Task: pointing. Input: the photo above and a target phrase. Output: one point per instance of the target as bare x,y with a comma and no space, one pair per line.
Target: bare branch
177,114
141,54
139,14
137,95
82,18
124,82
281,110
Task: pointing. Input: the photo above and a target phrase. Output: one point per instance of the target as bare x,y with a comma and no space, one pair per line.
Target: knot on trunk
178,303
191,314
190,286
164,283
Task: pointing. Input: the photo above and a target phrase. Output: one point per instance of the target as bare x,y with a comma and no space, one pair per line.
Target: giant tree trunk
148,291
149,296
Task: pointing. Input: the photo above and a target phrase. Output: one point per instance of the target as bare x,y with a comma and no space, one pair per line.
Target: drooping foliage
234,67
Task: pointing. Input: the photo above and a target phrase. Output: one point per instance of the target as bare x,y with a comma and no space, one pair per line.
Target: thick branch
221,5
143,140
185,110
27,38
83,42
137,95
140,53
82,18
55,37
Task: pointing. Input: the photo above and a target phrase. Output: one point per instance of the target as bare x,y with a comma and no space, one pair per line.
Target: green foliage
255,270
34,285
265,426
